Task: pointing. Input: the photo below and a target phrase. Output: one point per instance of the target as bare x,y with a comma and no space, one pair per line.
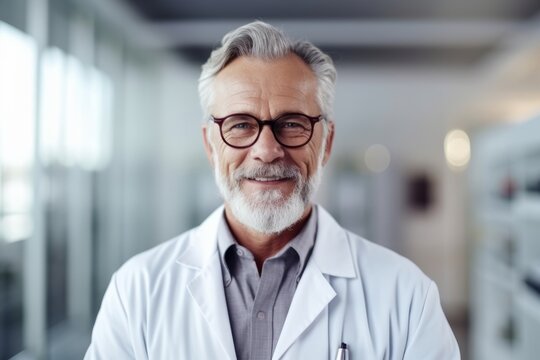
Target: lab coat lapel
207,291
206,288
311,297
331,257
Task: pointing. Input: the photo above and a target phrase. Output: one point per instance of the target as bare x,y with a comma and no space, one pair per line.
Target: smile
268,179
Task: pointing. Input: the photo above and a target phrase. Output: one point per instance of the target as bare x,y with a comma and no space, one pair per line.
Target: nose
267,149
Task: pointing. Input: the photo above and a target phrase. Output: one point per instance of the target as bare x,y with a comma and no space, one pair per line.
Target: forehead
249,81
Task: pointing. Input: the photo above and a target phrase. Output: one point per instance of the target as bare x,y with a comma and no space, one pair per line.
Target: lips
268,179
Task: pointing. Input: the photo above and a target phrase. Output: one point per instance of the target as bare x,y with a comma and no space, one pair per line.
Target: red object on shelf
508,188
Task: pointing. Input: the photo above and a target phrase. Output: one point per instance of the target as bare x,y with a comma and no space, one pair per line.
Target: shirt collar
302,243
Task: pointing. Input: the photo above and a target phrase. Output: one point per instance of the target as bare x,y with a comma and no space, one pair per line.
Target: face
265,181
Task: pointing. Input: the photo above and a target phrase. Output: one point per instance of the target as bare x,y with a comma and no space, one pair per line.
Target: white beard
269,211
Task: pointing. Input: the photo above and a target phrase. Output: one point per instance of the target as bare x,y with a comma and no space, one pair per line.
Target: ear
329,142
207,146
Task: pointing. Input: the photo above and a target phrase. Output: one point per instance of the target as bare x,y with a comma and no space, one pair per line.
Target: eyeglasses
243,130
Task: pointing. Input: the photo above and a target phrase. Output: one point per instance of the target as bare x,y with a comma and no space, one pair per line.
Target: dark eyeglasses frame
270,122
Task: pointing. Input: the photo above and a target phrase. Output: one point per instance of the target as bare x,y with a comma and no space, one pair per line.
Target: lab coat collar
204,243
332,252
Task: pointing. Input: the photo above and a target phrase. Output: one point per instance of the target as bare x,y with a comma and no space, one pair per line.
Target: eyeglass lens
289,130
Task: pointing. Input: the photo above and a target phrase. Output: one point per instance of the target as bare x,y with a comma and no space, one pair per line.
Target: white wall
185,177
410,110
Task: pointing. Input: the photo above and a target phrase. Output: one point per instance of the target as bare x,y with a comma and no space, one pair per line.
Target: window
17,131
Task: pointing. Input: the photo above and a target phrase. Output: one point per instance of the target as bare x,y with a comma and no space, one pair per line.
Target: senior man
269,275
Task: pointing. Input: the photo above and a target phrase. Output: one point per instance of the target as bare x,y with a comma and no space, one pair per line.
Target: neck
263,246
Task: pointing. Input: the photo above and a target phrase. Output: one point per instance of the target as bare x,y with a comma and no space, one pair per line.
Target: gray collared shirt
258,305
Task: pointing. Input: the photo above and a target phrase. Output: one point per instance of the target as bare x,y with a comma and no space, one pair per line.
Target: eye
291,124
239,125
242,125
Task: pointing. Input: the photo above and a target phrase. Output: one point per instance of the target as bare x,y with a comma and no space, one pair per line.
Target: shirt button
239,252
261,315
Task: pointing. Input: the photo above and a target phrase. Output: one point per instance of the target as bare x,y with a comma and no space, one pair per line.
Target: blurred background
436,155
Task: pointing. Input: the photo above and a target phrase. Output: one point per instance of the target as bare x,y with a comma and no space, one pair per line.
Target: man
269,275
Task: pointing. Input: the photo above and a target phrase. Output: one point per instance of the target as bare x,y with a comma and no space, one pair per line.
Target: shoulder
148,266
380,270
381,263
189,250
397,285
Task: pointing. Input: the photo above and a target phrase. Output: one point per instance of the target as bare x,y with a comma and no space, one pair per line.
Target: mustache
269,170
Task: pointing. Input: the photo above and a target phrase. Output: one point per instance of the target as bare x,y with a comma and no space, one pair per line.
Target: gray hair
261,40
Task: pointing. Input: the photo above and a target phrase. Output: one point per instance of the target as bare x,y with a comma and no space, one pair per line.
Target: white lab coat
169,303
